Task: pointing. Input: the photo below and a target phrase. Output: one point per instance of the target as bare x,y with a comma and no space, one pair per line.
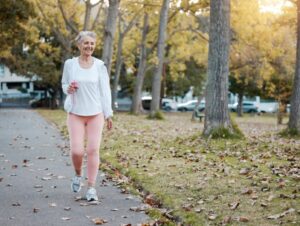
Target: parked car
248,107
190,106
268,107
123,104
167,104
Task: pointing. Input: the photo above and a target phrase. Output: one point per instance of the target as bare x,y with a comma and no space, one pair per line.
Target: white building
12,84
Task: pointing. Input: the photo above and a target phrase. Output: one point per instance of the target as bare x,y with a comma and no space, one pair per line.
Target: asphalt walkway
35,177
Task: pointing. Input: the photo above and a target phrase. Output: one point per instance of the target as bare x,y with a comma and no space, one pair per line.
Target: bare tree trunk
239,108
156,81
87,17
281,112
137,94
109,34
119,63
216,110
294,119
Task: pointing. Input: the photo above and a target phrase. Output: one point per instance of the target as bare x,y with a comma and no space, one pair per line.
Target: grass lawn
198,181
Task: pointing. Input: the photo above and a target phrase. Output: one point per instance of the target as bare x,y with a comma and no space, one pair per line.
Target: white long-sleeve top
93,95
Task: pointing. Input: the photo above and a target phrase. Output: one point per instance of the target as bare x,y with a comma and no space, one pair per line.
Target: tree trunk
87,17
196,109
156,81
119,63
109,34
294,119
239,108
281,112
137,95
216,109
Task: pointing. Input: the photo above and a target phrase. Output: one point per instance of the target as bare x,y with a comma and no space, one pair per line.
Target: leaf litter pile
199,181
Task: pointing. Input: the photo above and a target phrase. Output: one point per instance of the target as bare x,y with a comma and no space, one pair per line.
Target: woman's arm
65,81
105,92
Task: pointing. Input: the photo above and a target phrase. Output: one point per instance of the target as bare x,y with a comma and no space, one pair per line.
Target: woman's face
87,46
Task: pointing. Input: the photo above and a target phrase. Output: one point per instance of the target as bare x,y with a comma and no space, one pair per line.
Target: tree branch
67,22
97,16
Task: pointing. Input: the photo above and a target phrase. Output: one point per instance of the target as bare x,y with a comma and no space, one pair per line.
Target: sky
273,6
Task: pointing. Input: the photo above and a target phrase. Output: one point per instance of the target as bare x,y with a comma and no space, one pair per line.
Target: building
15,90
14,85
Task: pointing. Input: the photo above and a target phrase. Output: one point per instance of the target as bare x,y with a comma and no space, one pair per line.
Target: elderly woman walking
86,82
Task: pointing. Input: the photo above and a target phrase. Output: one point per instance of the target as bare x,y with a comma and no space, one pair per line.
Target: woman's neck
85,58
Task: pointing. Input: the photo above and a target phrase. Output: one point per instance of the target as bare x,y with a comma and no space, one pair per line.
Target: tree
14,19
137,95
216,106
294,119
156,82
109,32
123,30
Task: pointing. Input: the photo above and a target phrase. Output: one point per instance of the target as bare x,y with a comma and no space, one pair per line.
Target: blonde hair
83,34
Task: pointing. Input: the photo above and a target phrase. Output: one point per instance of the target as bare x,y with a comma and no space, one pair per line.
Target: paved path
35,174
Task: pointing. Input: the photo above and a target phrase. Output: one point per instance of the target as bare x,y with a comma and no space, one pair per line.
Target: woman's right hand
72,87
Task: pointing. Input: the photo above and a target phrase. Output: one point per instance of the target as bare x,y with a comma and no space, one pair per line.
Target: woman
86,81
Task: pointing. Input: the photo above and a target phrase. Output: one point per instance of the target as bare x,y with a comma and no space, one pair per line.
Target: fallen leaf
83,204
16,204
280,215
243,219
150,199
187,207
52,204
234,205
226,220
212,216
247,191
41,157
263,204
65,218
35,210
38,186
244,171
198,210
99,221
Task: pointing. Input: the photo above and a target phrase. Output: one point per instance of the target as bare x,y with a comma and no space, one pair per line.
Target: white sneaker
91,195
76,184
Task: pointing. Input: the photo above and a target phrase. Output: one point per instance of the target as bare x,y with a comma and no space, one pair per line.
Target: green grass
193,177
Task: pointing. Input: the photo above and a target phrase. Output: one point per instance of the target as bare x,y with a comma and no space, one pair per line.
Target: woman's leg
76,127
94,129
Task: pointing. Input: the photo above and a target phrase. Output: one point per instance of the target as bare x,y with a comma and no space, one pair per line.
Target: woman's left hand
109,123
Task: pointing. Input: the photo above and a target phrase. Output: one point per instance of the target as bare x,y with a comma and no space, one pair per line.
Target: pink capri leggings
90,127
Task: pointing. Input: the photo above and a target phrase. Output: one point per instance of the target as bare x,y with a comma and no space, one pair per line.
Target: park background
189,178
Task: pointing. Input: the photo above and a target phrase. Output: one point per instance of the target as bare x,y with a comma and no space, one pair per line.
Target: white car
190,106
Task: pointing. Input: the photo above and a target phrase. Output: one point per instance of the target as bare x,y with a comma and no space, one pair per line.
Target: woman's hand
72,87
109,123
